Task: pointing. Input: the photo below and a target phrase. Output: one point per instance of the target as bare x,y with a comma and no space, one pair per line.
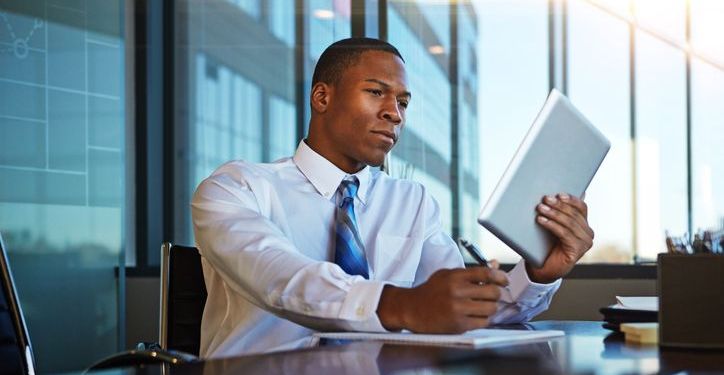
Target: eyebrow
387,86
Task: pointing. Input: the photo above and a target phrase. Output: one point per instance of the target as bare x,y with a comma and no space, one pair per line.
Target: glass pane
236,77
662,19
707,117
62,168
598,83
707,29
326,21
661,191
617,7
513,55
424,150
468,127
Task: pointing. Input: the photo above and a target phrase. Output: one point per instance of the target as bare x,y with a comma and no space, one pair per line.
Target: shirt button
361,311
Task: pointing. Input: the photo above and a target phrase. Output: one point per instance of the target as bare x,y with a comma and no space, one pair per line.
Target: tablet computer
560,154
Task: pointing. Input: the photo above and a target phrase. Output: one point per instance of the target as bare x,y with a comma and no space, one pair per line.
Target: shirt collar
325,176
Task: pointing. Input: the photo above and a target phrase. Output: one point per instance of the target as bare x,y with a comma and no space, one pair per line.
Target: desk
586,348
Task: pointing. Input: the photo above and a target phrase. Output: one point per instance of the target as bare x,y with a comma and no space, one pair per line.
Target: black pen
473,251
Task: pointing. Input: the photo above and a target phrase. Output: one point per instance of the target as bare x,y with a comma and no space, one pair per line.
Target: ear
320,97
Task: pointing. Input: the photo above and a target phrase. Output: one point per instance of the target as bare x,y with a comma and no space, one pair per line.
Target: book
478,338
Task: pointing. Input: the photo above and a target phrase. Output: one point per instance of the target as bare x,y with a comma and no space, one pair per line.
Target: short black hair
344,53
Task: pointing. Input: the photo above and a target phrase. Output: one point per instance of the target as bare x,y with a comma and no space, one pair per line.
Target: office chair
183,296
16,353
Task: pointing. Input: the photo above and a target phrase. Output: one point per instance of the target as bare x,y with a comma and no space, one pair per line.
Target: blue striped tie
349,251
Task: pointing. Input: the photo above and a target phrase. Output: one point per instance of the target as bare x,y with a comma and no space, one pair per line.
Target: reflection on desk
586,348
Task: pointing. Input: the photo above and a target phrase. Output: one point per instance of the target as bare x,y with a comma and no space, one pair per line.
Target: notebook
478,338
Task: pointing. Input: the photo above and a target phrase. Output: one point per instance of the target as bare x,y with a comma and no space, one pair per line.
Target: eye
403,103
375,92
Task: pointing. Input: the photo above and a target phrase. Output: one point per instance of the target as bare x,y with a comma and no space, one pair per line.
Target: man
320,242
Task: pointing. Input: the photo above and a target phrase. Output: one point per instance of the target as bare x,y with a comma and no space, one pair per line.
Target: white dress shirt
266,236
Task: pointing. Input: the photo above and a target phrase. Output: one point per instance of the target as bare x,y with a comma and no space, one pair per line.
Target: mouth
387,136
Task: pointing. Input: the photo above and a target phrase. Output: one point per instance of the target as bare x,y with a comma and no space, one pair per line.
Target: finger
562,233
485,292
479,308
493,264
569,209
565,219
567,206
581,208
478,275
579,204
476,323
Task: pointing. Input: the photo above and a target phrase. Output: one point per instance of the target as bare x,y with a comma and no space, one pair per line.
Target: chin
375,161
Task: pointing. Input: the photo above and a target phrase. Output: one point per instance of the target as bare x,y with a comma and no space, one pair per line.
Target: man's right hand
450,301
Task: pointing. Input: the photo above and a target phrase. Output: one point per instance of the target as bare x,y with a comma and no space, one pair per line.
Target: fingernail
544,207
564,197
542,219
552,199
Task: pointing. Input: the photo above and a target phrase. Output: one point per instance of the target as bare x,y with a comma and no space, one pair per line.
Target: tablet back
560,154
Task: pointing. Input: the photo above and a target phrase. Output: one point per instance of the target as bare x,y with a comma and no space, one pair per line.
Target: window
424,151
236,65
707,114
62,172
598,84
660,144
468,127
513,60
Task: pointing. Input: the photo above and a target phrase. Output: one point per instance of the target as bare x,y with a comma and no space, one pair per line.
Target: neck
323,147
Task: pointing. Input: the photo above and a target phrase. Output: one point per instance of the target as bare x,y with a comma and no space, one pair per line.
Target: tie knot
349,186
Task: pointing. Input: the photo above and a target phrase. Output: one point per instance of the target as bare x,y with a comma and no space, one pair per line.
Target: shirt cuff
359,309
525,292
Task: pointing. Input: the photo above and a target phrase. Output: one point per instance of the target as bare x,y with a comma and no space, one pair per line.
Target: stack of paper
630,310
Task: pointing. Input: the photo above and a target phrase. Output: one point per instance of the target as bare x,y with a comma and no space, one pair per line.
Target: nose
391,112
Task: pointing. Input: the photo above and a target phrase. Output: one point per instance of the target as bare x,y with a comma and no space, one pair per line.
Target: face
363,114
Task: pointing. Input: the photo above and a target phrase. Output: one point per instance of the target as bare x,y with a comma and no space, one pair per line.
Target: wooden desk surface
586,348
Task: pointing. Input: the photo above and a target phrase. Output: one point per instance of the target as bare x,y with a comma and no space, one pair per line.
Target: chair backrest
16,354
183,296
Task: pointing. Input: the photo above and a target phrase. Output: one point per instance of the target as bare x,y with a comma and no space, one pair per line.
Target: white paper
639,303
477,338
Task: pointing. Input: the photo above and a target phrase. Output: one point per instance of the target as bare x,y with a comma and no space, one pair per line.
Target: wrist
537,276
391,309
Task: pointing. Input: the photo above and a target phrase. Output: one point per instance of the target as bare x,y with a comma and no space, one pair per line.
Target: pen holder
691,300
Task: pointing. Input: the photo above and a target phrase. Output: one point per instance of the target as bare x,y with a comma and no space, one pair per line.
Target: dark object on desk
614,315
691,300
16,353
183,296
